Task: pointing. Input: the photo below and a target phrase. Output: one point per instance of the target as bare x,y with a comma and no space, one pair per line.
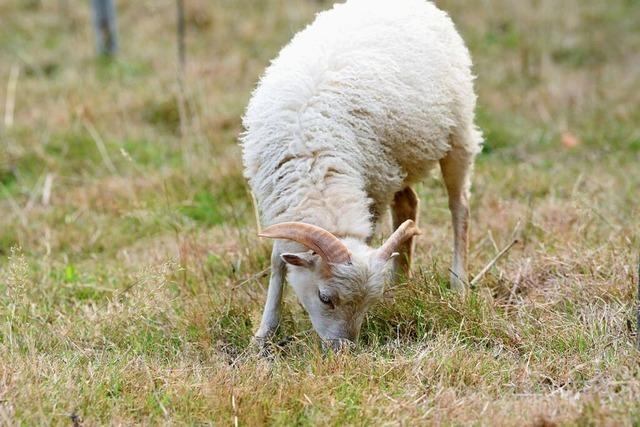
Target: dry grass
129,281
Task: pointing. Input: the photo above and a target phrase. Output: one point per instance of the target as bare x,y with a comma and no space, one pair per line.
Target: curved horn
319,240
407,230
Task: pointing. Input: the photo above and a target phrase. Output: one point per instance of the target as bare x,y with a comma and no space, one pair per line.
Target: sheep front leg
456,171
272,306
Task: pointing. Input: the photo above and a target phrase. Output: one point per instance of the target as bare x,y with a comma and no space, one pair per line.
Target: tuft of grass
164,113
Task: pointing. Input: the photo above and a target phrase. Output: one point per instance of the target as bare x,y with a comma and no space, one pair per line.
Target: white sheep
356,109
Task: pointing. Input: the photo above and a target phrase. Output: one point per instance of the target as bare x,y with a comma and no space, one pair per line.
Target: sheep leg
456,171
272,307
405,206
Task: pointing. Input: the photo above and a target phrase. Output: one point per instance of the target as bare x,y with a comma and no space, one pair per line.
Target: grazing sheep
356,109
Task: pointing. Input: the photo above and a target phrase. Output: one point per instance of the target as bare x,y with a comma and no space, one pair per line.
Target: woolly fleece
360,104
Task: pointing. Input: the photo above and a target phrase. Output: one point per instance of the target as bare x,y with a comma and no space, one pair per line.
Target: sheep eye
325,299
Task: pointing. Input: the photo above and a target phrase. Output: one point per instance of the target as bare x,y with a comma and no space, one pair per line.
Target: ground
131,277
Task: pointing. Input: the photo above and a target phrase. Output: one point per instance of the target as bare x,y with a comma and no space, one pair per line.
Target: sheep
359,107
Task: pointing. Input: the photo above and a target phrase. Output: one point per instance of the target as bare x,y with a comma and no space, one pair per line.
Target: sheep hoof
458,284
263,347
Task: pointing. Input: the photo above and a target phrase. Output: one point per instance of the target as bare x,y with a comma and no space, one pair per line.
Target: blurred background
119,166
137,134
131,138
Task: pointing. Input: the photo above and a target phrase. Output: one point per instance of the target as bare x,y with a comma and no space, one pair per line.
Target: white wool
360,104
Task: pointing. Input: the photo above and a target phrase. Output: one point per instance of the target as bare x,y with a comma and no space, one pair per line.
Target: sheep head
337,280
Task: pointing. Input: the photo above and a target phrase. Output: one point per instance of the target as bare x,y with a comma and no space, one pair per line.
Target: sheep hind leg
405,206
456,172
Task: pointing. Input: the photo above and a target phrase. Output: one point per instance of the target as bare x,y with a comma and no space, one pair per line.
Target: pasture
132,279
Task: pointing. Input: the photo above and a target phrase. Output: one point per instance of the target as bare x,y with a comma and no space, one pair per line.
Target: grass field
131,277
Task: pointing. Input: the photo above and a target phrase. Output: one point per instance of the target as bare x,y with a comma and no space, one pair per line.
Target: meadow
132,279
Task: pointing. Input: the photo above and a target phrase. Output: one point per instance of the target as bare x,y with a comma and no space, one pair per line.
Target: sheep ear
302,259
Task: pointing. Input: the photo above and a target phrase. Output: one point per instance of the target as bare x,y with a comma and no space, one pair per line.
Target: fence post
104,23
638,308
180,30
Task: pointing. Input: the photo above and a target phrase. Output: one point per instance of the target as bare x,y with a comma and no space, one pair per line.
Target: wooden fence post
104,23
638,308
180,30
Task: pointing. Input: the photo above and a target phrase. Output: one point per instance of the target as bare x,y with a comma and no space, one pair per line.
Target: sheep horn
319,240
407,230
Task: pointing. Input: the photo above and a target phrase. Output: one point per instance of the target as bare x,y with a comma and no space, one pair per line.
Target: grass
130,294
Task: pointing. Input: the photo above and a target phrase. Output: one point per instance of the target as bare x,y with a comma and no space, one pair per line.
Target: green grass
129,294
